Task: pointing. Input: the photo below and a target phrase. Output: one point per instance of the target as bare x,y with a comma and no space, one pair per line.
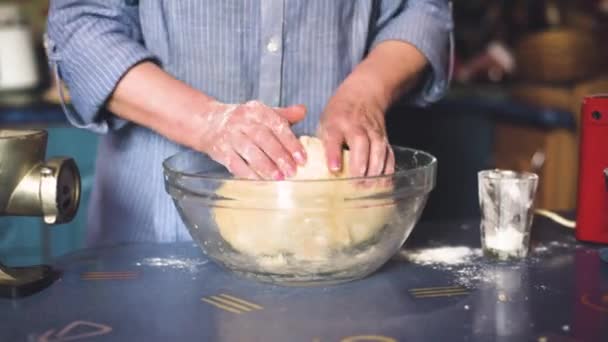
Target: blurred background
521,68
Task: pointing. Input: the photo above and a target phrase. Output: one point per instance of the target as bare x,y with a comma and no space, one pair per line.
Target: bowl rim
506,175
171,171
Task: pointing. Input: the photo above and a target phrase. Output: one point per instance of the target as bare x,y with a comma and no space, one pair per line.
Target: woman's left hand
355,116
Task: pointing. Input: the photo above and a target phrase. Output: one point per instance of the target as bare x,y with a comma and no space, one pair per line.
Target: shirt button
273,45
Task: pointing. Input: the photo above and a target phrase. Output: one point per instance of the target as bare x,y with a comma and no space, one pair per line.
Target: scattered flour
442,255
560,244
470,275
463,262
176,263
467,265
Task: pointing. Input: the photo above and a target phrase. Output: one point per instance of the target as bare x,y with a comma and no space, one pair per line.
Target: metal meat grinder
31,186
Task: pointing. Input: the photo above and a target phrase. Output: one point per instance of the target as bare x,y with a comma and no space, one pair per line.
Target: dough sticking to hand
303,220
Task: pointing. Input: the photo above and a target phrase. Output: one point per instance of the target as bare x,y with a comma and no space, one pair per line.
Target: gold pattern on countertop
362,338
440,291
231,303
368,338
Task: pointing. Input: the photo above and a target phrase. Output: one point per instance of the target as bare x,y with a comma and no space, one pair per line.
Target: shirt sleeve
92,44
427,25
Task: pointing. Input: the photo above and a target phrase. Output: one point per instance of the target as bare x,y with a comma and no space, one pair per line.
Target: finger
292,114
389,168
390,162
265,139
280,127
377,154
226,156
256,159
239,168
358,144
332,141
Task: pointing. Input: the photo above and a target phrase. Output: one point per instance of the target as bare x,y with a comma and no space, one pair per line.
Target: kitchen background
521,68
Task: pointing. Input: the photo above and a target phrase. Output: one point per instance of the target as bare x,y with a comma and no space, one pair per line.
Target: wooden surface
515,145
559,55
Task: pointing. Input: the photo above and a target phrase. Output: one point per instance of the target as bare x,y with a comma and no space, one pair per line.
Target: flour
548,247
464,263
560,244
175,263
442,255
509,241
471,275
466,266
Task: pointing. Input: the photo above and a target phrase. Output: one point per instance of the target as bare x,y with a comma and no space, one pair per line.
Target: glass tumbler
506,200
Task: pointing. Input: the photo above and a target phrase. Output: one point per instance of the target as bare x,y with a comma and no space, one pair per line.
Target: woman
238,80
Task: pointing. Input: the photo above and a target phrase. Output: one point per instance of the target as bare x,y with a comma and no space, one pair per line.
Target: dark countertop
495,103
29,109
559,293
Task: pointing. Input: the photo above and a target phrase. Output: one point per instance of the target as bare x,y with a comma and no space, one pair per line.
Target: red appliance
592,208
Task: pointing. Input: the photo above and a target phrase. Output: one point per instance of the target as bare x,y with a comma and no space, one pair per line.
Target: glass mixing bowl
300,232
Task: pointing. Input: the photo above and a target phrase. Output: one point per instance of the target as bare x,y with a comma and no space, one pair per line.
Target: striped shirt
280,52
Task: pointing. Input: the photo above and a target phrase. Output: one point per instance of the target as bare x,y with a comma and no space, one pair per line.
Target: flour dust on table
467,265
442,255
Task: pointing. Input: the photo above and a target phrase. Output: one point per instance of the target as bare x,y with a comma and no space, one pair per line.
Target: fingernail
299,157
278,175
289,171
334,165
286,167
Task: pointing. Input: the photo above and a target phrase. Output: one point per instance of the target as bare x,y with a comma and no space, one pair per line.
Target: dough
304,220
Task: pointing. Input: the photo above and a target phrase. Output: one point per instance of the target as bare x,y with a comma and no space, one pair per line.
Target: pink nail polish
286,167
299,157
289,171
334,165
278,175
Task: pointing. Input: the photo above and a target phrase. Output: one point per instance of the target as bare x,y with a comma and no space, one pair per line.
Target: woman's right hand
252,140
